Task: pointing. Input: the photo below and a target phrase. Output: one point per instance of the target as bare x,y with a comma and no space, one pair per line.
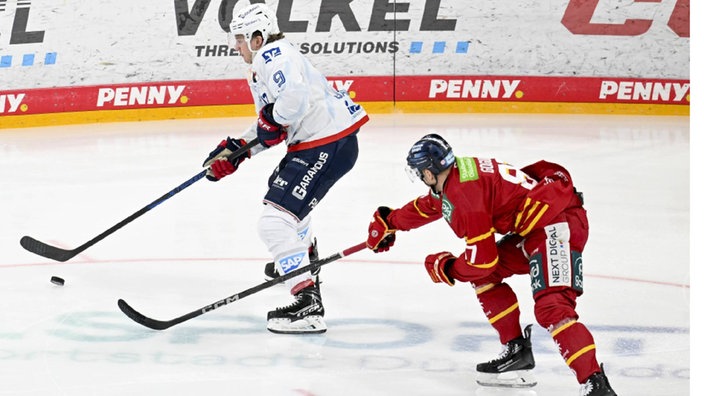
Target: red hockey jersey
482,197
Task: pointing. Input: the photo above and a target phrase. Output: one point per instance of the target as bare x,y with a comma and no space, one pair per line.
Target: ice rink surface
391,330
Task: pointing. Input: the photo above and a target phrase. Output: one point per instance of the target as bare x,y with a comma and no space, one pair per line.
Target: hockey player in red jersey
544,226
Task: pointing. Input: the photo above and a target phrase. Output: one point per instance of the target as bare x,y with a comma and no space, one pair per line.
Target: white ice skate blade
313,324
509,379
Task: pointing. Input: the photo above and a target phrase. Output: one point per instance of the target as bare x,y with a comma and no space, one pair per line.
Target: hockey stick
165,324
58,254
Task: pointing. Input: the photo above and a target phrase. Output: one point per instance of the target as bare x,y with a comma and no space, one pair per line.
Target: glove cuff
267,112
384,213
441,265
444,273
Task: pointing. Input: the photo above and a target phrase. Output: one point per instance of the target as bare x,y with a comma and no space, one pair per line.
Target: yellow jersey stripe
420,212
520,214
480,237
535,220
484,266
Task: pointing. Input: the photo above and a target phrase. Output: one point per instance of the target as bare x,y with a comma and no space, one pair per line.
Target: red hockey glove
437,265
269,132
217,162
381,233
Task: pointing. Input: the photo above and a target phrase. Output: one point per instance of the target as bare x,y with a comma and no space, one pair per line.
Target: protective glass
414,174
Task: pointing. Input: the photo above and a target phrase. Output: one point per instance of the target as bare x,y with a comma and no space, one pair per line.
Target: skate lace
506,350
295,303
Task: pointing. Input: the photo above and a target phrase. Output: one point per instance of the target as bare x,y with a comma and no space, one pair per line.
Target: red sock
576,346
500,306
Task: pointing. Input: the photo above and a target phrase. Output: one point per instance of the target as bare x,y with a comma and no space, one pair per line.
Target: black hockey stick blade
48,251
156,324
58,254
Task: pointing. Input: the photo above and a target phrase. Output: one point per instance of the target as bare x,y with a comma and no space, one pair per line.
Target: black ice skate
513,367
270,271
597,385
304,316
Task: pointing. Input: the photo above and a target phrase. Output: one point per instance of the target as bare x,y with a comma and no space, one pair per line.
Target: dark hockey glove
269,132
217,163
437,265
382,235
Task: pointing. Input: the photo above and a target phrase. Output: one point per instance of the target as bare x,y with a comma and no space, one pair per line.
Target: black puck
57,281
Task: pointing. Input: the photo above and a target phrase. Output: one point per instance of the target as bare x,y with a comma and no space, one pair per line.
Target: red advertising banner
394,90
542,89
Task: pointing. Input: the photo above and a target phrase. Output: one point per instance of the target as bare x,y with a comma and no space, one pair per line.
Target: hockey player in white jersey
319,125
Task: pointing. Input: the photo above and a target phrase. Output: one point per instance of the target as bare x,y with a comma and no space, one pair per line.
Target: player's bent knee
278,229
553,308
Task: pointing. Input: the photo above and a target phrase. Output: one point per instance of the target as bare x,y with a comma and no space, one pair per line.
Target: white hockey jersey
313,112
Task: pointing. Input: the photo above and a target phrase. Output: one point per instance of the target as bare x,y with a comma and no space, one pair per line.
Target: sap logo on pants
290,263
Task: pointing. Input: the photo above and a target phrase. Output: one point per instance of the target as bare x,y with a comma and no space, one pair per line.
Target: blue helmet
431,152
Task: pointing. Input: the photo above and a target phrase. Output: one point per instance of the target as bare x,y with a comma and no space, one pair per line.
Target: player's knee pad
279,231
555,307
304,230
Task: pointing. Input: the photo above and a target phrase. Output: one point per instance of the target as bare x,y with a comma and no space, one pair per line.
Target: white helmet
253,18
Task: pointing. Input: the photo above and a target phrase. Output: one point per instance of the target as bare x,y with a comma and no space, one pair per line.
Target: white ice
391,330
